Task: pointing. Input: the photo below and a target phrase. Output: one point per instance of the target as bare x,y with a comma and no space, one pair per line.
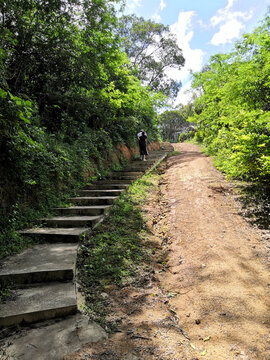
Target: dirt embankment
208,295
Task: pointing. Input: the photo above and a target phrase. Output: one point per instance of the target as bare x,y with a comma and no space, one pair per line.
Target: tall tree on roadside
60,54
173,122
152,50
232,112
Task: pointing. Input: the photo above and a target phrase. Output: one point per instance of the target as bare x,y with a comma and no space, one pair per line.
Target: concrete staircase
45,274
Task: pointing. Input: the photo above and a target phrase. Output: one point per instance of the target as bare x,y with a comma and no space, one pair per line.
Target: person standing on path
142,144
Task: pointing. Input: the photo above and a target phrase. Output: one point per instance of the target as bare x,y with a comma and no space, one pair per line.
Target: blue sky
202,27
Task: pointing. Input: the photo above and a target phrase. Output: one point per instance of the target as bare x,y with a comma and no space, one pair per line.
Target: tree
233,116
174,122
152,49
67,97
64,56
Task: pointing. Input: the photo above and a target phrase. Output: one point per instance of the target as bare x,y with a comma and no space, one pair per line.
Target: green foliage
173,153
233,111
6,292
12,242
43,171
186,136
67,98
152,49
114,247
65,57
115,251
173,122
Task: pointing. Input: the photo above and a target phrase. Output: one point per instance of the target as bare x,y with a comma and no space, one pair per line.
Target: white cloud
227,32
230,4
162,5
230,23
185,94
184,34
131,5
156,17
183,29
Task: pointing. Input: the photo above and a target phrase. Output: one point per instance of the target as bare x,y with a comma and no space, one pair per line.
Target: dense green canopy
76,80
68,96
64,57
174,122
152,50
232,110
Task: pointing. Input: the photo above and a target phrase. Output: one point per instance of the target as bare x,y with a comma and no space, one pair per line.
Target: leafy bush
116,251
186,136
67,98
40,169
233,112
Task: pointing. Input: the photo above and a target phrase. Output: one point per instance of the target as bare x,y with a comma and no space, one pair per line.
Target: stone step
55,340
41,263
143,162
140,169
101,192
66,235
118,177
152,160
155,156
94,200
47,266
83,210
72,221
106,186
106,182
38,303
160,152
128,172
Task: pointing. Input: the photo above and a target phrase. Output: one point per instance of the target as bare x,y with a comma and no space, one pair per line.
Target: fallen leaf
171,294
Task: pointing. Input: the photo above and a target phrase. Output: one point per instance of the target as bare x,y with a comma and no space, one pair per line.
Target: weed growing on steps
115,253
6,291
173,153
42,171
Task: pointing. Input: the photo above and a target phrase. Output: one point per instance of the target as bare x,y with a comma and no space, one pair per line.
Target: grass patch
6,291
11,243
115,253
173,153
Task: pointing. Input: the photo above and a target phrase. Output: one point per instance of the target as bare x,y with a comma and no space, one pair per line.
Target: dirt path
217,263
208,297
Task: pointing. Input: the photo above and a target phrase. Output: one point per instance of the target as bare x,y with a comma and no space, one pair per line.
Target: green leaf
3,93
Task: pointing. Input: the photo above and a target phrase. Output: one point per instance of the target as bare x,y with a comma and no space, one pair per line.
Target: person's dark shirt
142,139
